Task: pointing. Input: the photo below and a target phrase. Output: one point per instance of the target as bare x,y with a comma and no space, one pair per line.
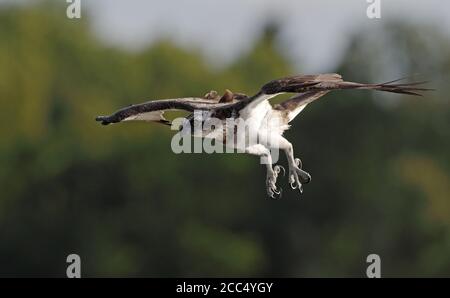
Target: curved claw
271,181
278,169
276,193
298,162
295,183
280,192
272,190
293,186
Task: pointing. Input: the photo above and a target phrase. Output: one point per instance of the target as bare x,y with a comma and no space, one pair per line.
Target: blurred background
120,198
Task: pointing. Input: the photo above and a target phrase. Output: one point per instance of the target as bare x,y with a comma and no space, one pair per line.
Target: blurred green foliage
120,198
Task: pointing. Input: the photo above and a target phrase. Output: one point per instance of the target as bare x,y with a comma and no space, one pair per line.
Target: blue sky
314,33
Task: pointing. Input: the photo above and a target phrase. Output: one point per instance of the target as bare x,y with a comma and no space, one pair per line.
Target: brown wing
153,110
315,86
323,82
300,83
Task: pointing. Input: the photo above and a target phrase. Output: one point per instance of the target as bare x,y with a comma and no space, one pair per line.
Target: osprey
262,119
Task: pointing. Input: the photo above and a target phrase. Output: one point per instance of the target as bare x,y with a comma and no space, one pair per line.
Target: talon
305,177
273,192
291,179
271,181
298,162
284,171
277,169
293,186
309,178
277,191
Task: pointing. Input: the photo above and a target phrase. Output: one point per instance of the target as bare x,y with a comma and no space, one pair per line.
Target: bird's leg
272,173
297,177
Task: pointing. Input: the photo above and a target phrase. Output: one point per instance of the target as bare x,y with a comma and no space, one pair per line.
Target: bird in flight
265,121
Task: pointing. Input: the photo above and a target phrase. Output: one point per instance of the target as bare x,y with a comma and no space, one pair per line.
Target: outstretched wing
154,110
312,87
327,82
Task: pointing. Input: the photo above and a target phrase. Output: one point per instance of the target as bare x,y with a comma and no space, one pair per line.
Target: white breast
261,120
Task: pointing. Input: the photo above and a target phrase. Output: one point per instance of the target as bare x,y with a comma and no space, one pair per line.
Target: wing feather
312,87
153,110
332,81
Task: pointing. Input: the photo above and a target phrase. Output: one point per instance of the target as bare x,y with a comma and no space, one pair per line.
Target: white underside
261,120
